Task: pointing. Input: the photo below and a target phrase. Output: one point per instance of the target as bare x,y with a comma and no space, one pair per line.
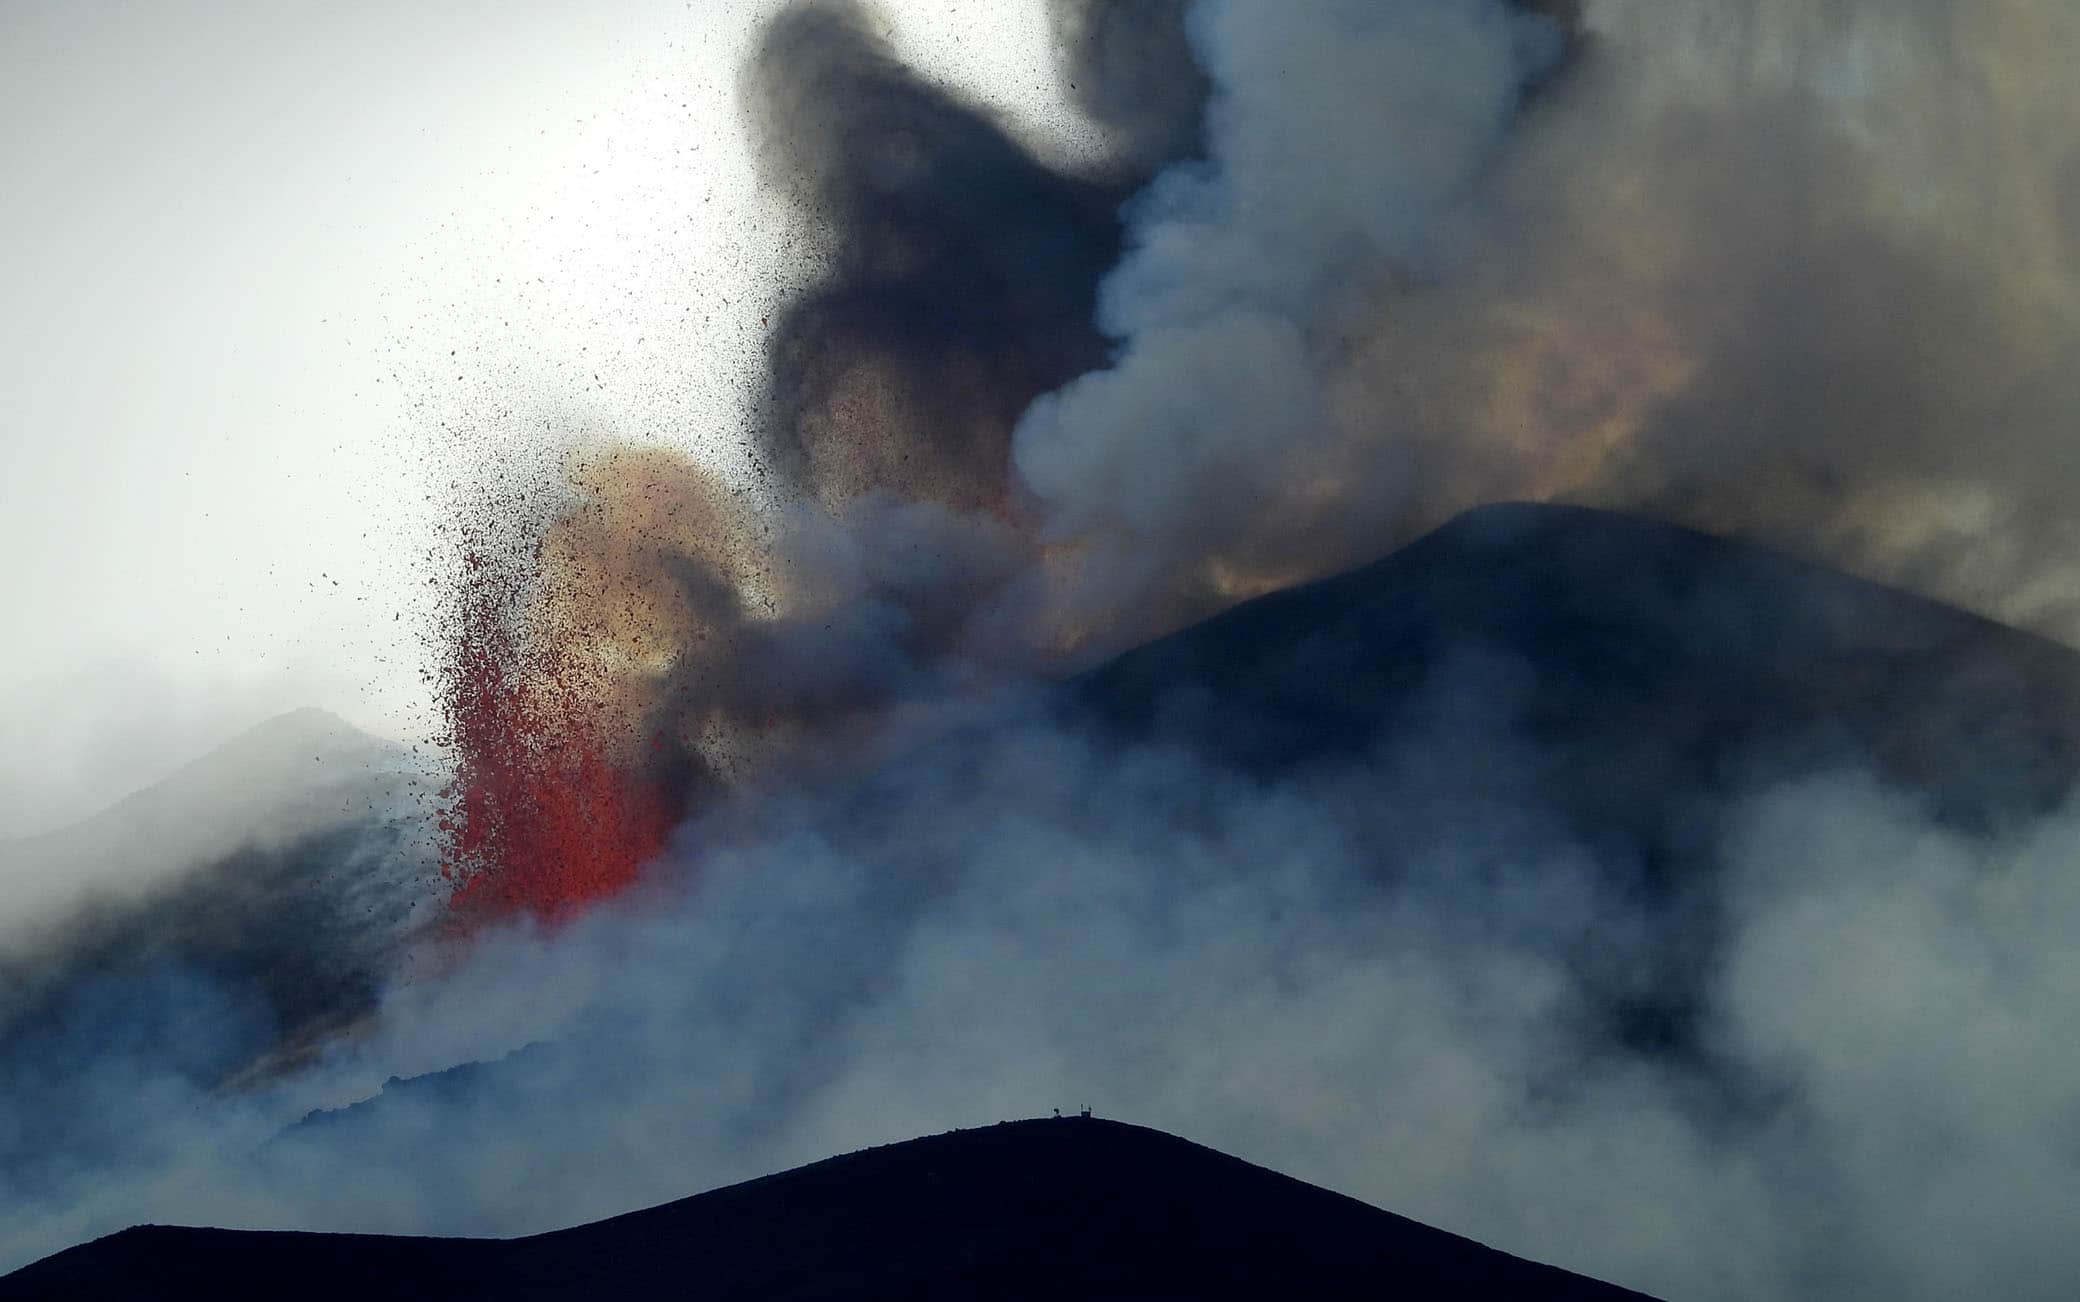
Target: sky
273,271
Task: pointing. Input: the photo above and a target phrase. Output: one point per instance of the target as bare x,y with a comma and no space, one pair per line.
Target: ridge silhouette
1070,1208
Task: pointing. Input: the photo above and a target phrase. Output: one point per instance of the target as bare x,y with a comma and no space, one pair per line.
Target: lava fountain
566,780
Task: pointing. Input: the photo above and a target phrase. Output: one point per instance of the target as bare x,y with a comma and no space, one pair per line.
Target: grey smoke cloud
1908,985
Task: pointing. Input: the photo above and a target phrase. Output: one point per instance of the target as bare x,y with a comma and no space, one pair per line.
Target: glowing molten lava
551,807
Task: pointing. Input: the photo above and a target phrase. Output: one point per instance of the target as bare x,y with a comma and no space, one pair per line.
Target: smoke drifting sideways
1796,273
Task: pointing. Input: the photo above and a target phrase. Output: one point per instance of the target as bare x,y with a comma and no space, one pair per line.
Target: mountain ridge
289,776
1026,1209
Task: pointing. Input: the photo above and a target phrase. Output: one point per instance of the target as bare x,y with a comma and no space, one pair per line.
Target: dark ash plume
1129,64
958,272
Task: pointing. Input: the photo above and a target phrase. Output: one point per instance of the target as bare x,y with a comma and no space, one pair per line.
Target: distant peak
306,718
277,754
1500,525
308,725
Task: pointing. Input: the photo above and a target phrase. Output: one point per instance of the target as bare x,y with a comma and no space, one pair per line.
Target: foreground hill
1036,1209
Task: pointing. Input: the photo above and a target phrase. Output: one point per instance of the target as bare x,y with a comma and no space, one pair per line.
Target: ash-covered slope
1037,1209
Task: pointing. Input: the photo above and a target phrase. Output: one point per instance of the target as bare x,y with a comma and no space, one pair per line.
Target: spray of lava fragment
552,806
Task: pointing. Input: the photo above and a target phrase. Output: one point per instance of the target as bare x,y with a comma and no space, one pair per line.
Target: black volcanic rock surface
1076,1208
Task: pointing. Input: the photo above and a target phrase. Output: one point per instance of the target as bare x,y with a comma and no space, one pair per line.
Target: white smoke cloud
1911,987
1339,134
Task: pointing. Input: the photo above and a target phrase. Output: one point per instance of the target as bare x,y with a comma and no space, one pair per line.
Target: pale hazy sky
238,243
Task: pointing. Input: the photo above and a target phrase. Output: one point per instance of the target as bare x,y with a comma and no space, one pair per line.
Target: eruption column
549,809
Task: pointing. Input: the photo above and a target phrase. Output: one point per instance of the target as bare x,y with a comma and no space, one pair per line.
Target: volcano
1659,662
293,776
224,922
1657,674
1595,680
1657,671
1075,1208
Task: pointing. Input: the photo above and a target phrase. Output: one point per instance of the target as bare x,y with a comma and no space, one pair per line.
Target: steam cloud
1794,272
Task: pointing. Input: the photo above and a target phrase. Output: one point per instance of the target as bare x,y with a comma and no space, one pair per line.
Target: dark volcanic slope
1650,657
1037,1209
1628,681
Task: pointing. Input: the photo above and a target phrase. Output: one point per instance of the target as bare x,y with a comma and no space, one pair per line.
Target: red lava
549,811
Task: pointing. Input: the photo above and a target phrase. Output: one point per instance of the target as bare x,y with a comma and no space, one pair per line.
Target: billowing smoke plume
989,443
1803,273
1340,144
1131,68
1787,272
1691,975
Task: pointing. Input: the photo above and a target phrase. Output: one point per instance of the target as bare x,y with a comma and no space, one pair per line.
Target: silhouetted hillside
1652,659
1074,1209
